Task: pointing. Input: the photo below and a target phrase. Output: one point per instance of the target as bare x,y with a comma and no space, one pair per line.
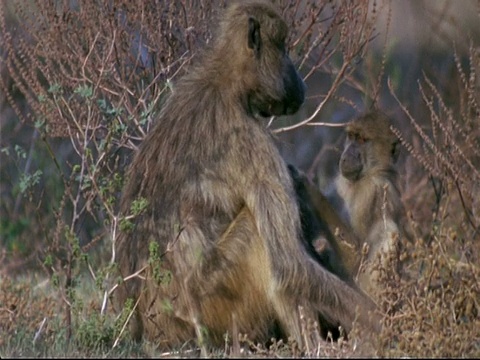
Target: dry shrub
24,311
432,308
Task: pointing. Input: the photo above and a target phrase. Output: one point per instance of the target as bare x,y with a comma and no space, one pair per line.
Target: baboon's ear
395,151
254,39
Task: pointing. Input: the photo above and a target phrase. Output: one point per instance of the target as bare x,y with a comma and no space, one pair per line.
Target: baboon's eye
360,139
354,136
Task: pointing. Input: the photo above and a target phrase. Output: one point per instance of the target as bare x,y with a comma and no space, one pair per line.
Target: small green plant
160,275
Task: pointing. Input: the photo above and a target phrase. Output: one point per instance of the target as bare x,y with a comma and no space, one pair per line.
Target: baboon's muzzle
294,90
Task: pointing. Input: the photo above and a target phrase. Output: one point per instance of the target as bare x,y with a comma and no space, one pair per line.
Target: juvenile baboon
329,239
218,245
368,184
326,237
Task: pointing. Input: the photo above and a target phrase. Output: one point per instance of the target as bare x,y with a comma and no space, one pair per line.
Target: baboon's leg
210,283
241,245
233,278
240,267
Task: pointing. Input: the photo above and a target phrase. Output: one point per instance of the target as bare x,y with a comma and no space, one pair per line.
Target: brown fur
368,184
329,238
221,205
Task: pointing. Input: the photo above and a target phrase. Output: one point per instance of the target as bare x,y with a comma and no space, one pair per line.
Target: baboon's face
352,159
279,88
370,145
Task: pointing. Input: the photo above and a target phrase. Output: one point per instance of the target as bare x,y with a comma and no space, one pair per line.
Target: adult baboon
218,245
368,184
